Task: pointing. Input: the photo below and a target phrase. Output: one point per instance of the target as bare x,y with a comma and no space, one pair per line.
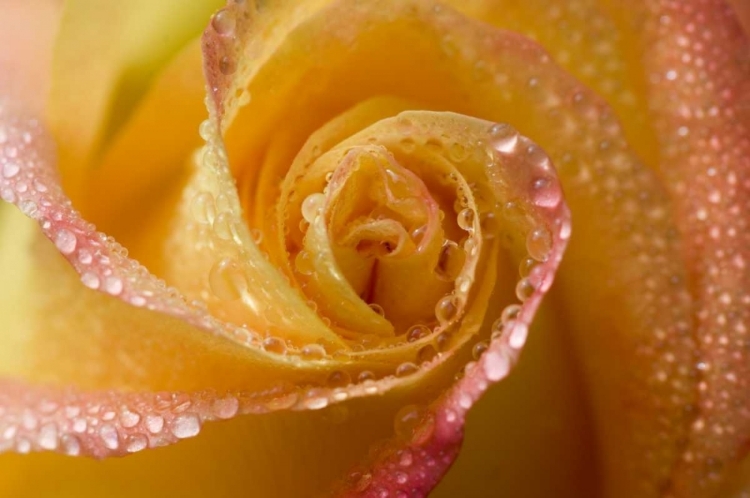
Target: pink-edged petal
698,62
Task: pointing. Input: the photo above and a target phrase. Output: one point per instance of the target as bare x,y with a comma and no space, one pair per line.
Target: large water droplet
185,425
66,241
450,262
539,243
503,138
224,22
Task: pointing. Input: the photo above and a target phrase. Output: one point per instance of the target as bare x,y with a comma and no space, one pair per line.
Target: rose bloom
307,248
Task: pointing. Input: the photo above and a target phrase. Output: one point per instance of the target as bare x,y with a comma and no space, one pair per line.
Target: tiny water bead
416,332
524,289
465,219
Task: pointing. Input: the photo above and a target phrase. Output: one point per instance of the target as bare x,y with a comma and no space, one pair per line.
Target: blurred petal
90,104
699,65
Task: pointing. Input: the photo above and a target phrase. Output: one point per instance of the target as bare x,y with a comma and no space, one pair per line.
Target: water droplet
315,400
109,436
274,345
539,243
70,445
406,368
496,365
185,425
10,169
66,241
417,332
407,420
227,65
338,378
226,408
446,309
524,289
48,436
113,285
377,309
312,206
365,375
224,22
29,208
450,261
478,349
466,219
136,443
227,280
129,419
313,352
546,192
205,130
90,280
154,423
503,138
518,336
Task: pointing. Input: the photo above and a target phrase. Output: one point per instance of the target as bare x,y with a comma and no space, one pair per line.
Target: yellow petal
105,59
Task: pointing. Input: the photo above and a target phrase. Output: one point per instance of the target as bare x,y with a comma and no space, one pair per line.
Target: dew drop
338,378
66,241
154,423
503,138
313,352
546,192
109,436
10,170
274,345
496,365
478,349
465,219
113,285
185,425
539,243
377,309
136,443
224,22
518,336
227,280
450,261
70,445
227,65
48,436
90,280
406,368
312,206
417,332
129,419
524,289
446,309
226,407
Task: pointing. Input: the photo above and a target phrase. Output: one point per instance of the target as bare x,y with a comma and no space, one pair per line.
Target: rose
640,377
